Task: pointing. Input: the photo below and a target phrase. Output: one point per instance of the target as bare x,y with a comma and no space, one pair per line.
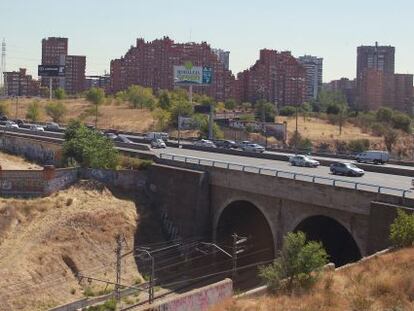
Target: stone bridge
203,201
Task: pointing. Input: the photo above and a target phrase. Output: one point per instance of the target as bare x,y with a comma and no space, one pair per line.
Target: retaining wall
196,300
127,180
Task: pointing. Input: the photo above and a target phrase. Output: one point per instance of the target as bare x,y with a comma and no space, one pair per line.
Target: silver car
158,143
302,160
253,148
205,143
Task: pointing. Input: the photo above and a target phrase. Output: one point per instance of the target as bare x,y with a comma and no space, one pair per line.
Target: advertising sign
189,74
51,71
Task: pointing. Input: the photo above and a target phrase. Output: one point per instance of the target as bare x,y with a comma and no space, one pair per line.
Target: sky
105,29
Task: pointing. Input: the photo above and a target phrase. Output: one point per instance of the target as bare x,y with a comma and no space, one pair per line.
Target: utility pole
3,66
118,252
237,249
50,88
210,123
152,275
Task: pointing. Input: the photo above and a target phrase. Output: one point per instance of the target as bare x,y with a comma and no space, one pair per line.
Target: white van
373,156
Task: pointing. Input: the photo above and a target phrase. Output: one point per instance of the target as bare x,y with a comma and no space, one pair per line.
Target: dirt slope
43,242
11,162
384,283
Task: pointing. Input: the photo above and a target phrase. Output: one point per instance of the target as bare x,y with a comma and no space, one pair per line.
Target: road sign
51,71
202,109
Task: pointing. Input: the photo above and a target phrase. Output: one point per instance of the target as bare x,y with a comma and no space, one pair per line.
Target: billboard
189,74
51,71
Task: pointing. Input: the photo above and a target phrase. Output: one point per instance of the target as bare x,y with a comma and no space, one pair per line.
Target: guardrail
282,173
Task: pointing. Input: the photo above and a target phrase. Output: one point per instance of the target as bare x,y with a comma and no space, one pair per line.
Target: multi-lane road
381,179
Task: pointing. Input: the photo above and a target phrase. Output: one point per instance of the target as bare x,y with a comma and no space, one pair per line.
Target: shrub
402,229
341,146
4,108
287,111
59,93
134,163
333,109
401,121
378,129
298,263
384,114
33,111
56,111
359,145
230,104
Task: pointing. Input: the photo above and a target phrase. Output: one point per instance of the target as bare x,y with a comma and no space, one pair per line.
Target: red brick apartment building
75,74
150,64
18,83
276,77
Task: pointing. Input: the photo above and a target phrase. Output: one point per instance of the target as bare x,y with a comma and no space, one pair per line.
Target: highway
384,180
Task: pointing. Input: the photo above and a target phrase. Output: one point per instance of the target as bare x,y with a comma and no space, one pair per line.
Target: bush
59,93
401,121
109,305
359,145
88,148
230,104
300,143
56,111
402,229
384,114
341,146
287,111
33,111
297,264
134,163
333,109
378,129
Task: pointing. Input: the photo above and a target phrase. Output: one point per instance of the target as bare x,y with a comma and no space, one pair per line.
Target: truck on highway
373,156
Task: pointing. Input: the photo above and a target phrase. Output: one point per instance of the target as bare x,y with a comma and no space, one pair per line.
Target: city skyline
104,30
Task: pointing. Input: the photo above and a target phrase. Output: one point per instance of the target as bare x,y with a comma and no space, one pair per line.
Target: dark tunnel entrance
246,220
338,242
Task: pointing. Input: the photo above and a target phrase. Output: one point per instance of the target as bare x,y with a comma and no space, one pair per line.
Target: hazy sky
104,29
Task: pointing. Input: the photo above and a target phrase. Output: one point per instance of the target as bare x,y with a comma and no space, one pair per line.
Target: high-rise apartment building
375,57
346,87
75,74
18,83
314,69
223,56
150,64
277,77
55,52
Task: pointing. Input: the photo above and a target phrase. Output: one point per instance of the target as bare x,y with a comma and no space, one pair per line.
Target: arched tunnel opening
246,220
335,238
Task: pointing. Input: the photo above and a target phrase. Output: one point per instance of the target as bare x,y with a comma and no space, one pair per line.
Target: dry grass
11,162
319,130
112,115
385,283
45,241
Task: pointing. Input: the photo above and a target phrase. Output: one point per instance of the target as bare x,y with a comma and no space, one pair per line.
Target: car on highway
226,144
158,143
3,117
52,126
253,148
150,136
347,169
204,143
11,124
243,143
303,160
373,156
111,136
123,139
36,128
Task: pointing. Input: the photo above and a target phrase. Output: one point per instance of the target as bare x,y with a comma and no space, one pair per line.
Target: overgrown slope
44,242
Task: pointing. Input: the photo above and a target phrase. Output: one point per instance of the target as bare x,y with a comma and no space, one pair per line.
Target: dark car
348,169
226,144
3,117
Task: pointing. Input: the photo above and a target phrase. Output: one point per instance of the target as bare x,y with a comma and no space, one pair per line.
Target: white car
11,124
158,143
302,160
37,128
253,148
205,143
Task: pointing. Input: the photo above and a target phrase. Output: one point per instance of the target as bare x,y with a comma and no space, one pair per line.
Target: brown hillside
44,242
381,284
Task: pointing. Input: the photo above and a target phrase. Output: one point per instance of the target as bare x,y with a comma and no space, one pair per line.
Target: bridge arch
248,220
334,235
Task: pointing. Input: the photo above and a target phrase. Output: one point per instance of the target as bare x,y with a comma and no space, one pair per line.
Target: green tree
164,100
287,111
56,111
328,99
298,263
402,229
141,97
162,117
180,107
401,121
59,93
390,138
4,108
88,148
299,143
203,126
265,111
96,96
384,114
230,104
33,111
